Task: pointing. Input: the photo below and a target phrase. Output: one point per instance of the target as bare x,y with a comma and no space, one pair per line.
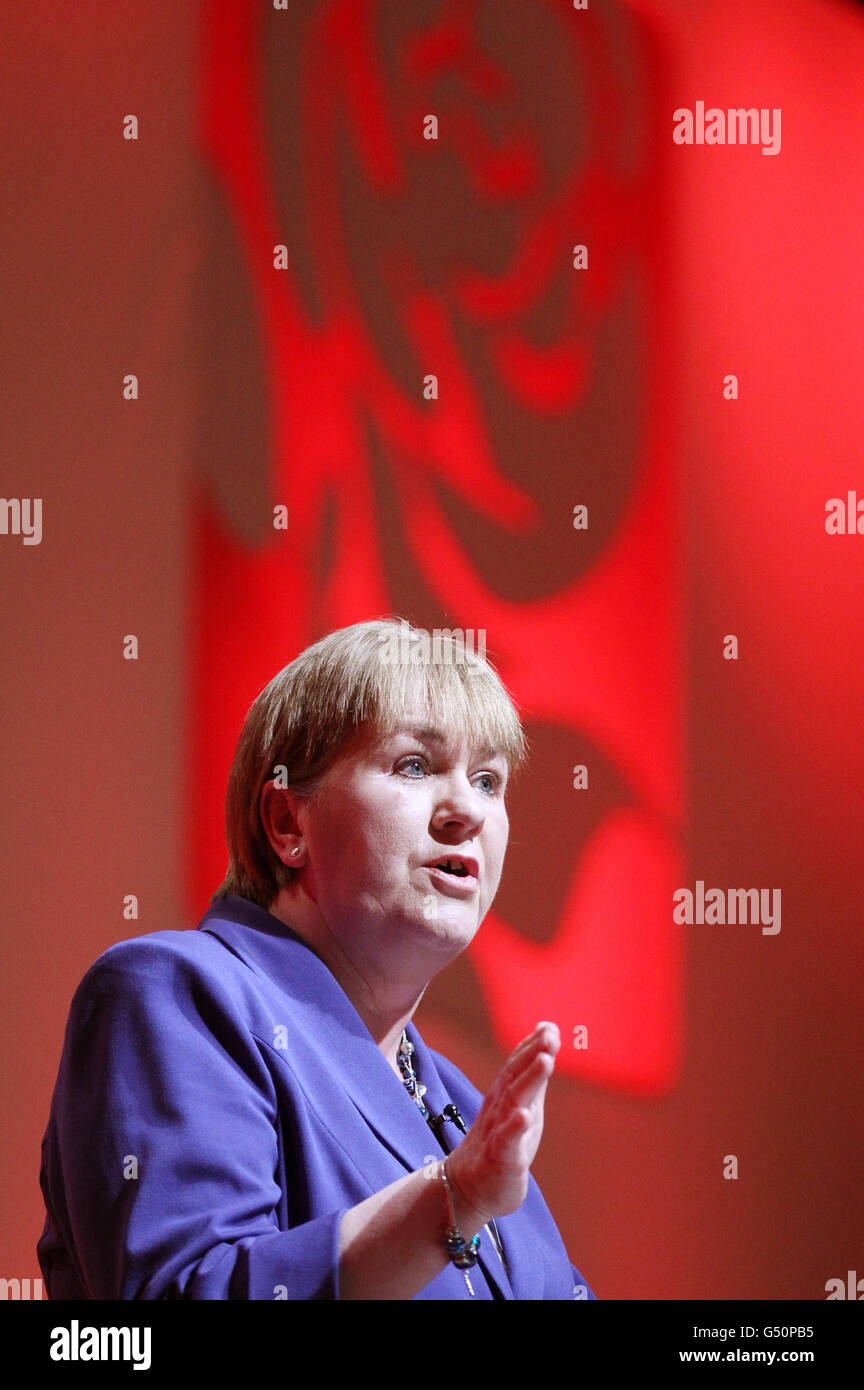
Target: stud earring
295,851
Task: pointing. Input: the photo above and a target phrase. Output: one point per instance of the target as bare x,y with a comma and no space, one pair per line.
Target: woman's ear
277,807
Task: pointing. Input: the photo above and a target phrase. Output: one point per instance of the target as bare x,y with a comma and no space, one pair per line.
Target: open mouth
451,866
456,866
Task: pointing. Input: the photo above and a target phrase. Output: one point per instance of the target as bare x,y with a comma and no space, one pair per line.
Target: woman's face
391,806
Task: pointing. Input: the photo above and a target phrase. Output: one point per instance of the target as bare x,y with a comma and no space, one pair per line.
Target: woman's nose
460,801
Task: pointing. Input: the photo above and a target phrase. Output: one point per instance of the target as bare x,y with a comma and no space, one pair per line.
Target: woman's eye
493,780
414,759
415,766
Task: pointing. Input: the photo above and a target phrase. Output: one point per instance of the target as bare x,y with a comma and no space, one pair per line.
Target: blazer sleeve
162,1147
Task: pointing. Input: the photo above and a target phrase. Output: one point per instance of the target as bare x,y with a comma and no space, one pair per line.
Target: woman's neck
384,1002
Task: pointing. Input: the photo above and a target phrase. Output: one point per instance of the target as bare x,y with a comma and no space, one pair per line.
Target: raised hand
489,1169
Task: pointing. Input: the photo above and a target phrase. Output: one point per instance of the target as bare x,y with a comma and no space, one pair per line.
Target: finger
511,1136
516,1123
499,1090
545,1027
525,1097
541,1046
545,1038
526,1089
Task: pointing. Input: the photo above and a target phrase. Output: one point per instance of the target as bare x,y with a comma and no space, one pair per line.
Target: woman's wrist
469,1217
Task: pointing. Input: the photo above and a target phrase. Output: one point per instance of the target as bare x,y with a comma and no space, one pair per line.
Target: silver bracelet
462,1252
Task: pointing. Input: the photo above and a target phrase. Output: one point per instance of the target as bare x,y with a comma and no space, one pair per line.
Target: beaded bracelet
462,1252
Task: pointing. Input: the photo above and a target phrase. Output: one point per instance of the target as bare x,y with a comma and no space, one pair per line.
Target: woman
246,1110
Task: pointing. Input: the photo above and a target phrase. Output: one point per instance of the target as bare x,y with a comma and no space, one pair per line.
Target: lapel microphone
450,1112
437,1122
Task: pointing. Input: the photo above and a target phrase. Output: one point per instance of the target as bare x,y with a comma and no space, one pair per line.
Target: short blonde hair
369,673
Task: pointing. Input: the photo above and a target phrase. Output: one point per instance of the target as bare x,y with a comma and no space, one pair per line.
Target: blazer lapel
330,1029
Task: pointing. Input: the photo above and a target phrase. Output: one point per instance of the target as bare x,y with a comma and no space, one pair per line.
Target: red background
706,517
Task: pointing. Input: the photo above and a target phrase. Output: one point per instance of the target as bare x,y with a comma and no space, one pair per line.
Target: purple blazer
220,1105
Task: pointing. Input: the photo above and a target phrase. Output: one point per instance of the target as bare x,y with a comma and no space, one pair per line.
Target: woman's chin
451,928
